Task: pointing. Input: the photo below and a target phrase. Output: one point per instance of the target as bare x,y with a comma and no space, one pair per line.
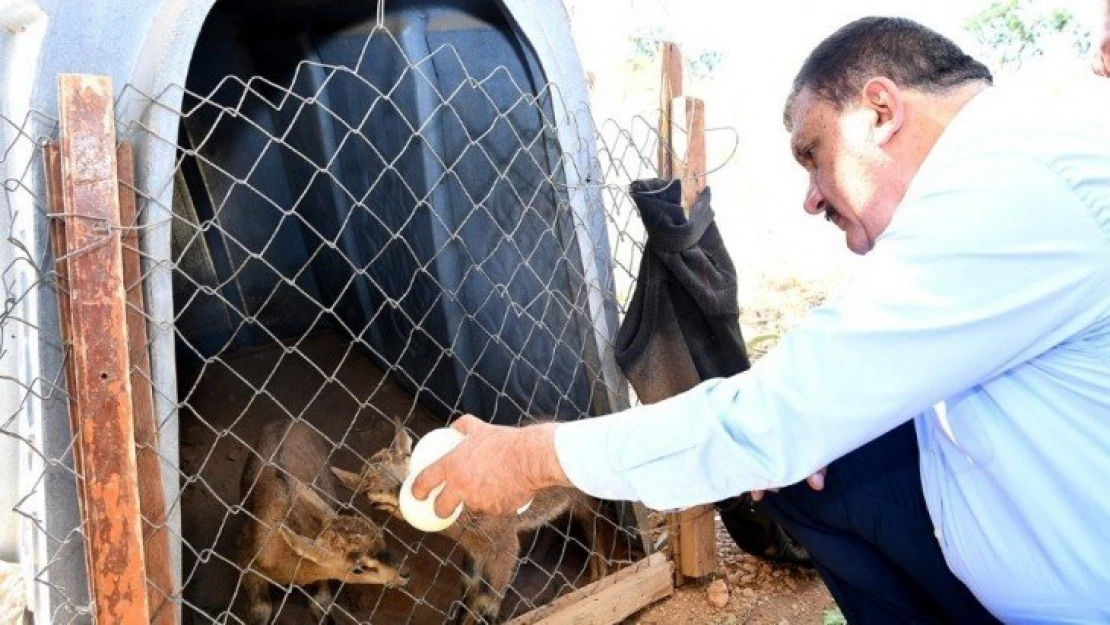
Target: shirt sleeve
993,266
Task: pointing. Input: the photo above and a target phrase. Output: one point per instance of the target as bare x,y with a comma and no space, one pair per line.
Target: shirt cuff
582,448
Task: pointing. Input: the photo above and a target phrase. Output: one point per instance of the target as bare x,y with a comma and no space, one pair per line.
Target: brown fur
492,543
295,536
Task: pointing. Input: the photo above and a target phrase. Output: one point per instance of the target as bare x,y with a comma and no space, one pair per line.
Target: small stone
747,579
790,583
717,594
784,622
733,578
747,592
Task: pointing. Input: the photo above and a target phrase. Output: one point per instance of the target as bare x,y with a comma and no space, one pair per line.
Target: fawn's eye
359,569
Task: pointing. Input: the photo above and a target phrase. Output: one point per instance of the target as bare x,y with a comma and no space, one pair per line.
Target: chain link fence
351,239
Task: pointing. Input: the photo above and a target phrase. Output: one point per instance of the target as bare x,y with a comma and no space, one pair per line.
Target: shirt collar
977,116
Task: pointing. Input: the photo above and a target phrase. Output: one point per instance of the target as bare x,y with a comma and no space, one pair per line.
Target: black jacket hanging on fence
683,327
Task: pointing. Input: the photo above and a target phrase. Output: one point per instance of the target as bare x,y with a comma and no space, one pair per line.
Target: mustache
830,212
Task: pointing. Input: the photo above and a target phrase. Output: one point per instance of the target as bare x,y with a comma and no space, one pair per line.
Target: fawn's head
348,548
382,474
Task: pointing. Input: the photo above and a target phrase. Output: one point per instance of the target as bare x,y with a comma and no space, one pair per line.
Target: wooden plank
611,599
101,384
691,533
669,89
674,545
697,535
694,537
52,167
690,153
156,538
643,523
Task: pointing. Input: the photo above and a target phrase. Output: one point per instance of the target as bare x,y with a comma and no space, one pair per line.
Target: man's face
852,179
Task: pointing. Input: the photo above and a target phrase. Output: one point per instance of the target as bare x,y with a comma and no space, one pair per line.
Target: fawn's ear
304,547
303,494
402,442
352,481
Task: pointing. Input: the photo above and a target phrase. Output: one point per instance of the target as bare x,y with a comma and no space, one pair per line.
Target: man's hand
815,481
495,470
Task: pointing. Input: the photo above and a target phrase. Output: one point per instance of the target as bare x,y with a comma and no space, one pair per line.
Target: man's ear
882,97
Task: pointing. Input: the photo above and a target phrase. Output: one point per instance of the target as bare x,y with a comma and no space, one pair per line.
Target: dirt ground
759,593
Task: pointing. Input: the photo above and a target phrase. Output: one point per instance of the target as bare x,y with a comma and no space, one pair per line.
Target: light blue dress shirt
983,314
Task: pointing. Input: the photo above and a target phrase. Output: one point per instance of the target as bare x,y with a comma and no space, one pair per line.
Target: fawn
294,536
491,543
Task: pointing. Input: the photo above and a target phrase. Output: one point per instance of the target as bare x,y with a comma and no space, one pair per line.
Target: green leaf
1015,29
833,616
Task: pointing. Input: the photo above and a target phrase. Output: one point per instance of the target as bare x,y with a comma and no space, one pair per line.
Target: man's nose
815,201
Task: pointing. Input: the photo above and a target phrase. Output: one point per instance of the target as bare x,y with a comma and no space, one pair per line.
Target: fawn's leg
257,591
597,538
487,590
321,602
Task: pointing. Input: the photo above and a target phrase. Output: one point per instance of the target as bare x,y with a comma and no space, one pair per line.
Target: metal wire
332,374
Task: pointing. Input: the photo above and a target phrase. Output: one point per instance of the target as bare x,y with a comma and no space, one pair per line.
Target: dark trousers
871,538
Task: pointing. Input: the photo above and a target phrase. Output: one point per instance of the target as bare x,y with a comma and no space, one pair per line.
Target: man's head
865,108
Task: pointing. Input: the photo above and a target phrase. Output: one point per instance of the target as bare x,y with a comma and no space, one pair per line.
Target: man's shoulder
1065,127
1026,152
1044,119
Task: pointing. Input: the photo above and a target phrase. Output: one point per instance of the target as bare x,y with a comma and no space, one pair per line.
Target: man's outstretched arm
903,336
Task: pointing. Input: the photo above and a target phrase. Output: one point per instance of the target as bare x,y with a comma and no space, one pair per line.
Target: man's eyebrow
797,146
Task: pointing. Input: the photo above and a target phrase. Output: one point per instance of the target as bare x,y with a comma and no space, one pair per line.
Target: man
958,389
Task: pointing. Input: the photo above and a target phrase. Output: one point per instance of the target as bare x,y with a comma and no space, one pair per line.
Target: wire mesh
339,246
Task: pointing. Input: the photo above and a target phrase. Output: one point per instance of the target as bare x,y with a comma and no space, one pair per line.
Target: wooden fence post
670,88
693,534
